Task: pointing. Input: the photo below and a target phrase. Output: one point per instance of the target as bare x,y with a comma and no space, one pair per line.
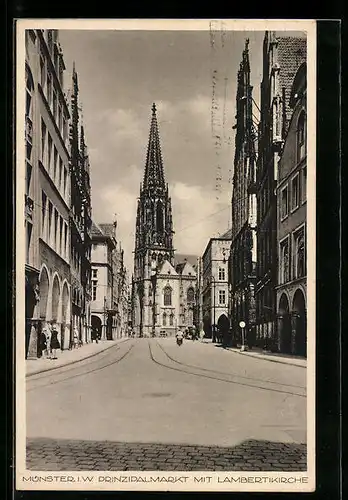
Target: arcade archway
55,298
284,322
299,309
44,287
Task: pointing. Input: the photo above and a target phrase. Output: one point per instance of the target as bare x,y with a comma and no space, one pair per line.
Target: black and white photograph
165,255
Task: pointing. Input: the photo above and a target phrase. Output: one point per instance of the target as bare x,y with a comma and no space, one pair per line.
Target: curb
267,359
72,362
264,359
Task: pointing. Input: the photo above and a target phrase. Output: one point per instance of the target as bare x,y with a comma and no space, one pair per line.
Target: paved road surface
151,405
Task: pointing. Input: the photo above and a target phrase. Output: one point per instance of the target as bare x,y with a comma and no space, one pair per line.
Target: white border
214,484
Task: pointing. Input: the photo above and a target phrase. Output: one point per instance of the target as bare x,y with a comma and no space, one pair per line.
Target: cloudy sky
121,73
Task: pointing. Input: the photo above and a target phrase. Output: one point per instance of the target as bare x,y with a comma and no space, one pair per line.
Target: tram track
228,374
59,380
218,379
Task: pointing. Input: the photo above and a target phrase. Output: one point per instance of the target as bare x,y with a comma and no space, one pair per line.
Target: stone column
33,325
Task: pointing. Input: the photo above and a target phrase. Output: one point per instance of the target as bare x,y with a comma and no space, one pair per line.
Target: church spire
154,175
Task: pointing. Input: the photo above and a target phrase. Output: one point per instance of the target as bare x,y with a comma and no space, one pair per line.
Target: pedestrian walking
48,334
94,335
43,343
54,342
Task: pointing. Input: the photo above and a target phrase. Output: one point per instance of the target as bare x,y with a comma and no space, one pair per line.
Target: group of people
187,334
49,342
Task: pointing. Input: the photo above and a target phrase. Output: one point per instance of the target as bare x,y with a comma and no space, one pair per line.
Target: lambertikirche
164,288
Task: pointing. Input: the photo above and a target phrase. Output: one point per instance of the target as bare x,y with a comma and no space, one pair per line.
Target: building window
54,105
190,295
94,273
284,208
167,292
43,141
50,216
94,290
43,209
49,89
171,319
301,136
221,274
65,129
284,262
60,173
222,297
59,118
61,236
295,192
28,235
28,178
164,319
42,71
49,152
304,184
65,181
299,254
66,240
56,229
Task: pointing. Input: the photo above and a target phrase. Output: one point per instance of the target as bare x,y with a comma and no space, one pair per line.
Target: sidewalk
274,357
68,357
269,356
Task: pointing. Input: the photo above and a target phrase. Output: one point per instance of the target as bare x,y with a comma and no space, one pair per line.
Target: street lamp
242,326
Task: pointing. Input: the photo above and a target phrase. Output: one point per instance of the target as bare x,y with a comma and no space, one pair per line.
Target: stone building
164,293
291,225
215,286
80,221
110,288
47,196
120,285
103,310
243,246
282,56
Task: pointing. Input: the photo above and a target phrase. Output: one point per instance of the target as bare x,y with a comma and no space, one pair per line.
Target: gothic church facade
164,290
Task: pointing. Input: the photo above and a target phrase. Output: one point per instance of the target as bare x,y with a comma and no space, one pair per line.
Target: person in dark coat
54,342
43,344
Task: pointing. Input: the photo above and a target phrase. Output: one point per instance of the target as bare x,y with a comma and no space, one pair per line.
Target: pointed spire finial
153,108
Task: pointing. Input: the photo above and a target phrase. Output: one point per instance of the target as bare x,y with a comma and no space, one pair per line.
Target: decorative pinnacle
153,108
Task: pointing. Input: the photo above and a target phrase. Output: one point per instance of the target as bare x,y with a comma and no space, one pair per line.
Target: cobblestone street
58,455
149,405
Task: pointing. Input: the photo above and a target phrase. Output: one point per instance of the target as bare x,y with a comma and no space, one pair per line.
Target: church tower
154,231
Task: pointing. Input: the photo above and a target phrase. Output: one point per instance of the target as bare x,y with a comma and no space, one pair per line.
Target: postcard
165,255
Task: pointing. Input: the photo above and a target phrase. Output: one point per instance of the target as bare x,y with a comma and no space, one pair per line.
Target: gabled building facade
161,292
291,290
103,309
80,221
242,266
282,57
57,200
47,195
214,285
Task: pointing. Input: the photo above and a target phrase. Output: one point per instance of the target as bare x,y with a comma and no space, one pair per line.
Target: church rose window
167,296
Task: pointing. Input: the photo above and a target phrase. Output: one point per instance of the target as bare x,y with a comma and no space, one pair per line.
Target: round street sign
242,324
